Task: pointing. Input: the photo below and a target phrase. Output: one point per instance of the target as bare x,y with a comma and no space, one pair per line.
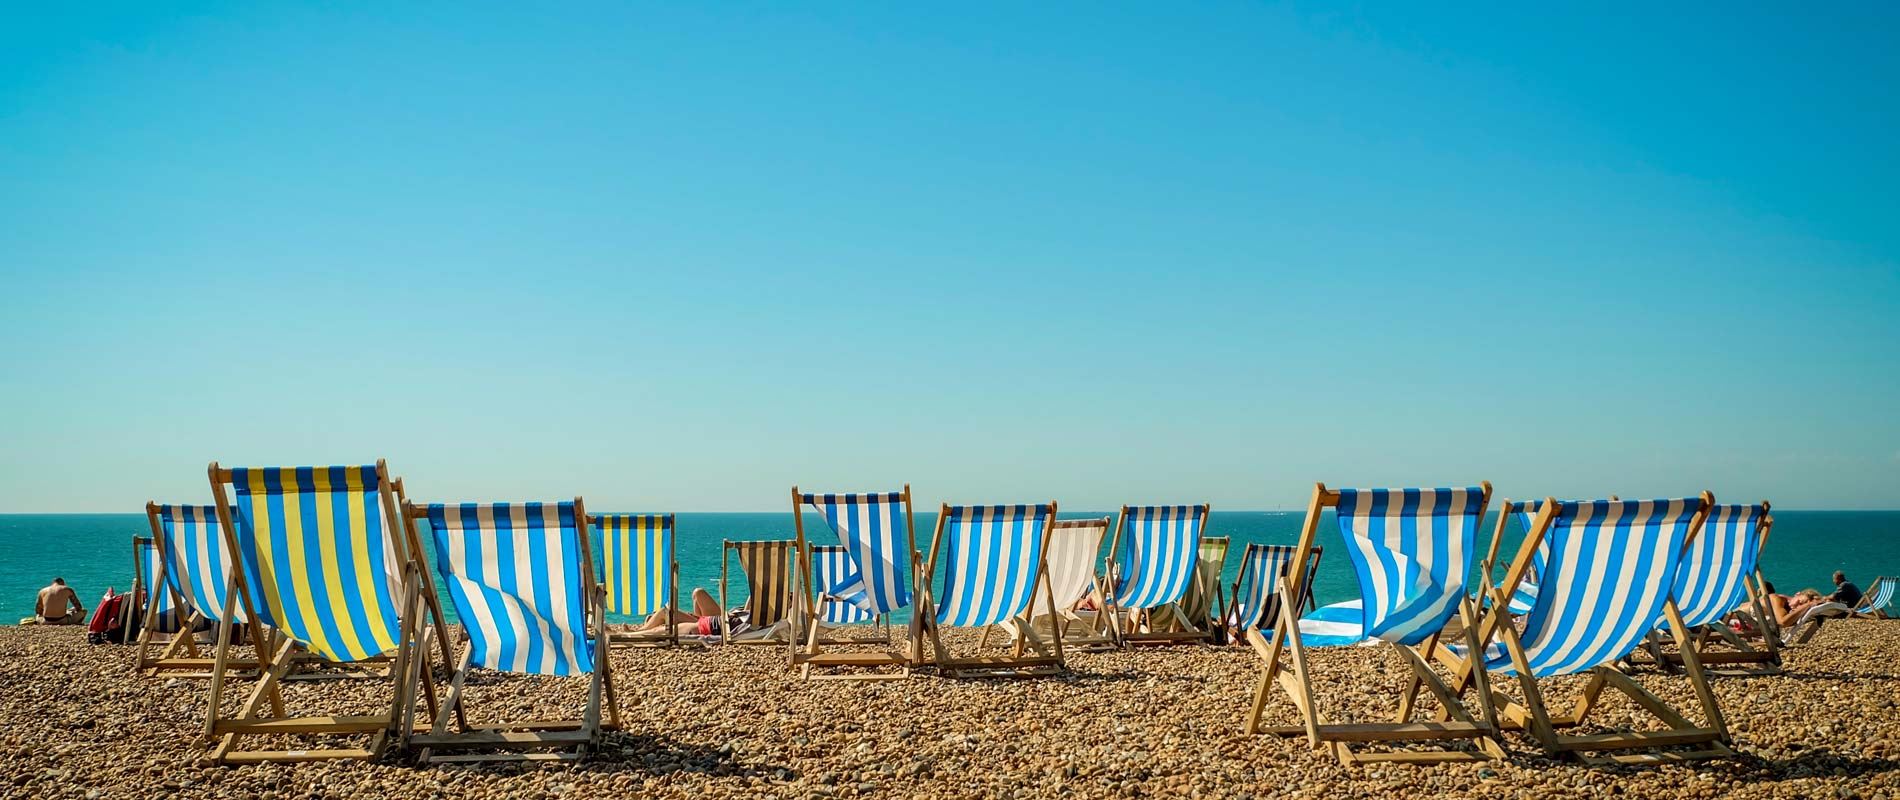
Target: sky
684,256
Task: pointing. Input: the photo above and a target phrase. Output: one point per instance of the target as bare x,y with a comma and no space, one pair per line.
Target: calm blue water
94,551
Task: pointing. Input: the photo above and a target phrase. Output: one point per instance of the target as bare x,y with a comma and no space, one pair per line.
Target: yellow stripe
338,609
655,533
362,505
606,525
294,540
266,557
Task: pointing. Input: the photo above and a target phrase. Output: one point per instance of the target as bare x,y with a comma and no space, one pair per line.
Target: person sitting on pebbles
57,604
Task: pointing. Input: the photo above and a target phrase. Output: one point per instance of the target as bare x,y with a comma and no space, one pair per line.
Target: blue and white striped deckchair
874,530
1257,586
156,607
1712,583
993,569
830,566
1610,573
1411,550
197,562
1879,596
521,577
1156,551
642,567
320,560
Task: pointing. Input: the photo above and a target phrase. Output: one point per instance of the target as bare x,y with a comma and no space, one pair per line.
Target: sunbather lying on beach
1788,610
705,619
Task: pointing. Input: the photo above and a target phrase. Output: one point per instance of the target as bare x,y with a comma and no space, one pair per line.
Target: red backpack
105,625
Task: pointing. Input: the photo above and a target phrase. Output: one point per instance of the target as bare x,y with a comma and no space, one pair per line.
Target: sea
93,552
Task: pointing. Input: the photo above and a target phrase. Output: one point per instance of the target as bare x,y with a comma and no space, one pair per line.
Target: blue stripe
347,539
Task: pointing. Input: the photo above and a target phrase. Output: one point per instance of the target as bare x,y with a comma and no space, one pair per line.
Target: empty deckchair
1609,574
1074,551
1256,592
1879,595
768,585
319,559
840,619
880,551
196,567
521,577
1153,557
1206,598
993,569
642,571
159,611
1714,582
1411,550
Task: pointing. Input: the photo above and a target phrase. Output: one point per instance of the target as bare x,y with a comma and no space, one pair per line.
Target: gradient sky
680,257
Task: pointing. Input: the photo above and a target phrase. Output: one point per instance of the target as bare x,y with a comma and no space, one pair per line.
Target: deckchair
1713,583
521,576
194,564
1153,558
320,560
157,609
840,620
1879,595
642,572
1411,549
1075,547
1206,598
1256,592
879,562
994,568
768,584
1610,573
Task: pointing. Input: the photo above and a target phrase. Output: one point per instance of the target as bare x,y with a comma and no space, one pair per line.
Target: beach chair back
1261,568
875,534
1075,547
1709,582
1879,594
768,579
514,572
1159,550
1411,549
319,561
155,584
993,557
842,599
638,553
1611,566
198,564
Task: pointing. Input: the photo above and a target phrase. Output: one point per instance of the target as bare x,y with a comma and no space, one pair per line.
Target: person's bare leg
666,616
704,605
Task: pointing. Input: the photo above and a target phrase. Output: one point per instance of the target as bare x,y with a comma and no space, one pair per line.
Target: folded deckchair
642,572
1714,582
1153,558
320,560
880,553
521,577
1610,572
768,585
1879,595
1411,549
994,567
1256,592
1206,598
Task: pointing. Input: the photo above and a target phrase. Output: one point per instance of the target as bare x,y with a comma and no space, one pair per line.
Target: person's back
1845,592
58,604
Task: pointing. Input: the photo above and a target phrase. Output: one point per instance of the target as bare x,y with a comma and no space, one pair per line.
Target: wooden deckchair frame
1274,599
1533,712
1296,680
811,652
1127,631
1047,660
726,548
221,734
1870,613
1065,621
521,740
670,635
181,656
1740,657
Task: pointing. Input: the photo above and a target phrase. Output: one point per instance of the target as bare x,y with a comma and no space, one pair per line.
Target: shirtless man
58,604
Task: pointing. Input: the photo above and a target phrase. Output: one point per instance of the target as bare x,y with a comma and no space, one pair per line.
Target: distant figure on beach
706,618
57,604
1845,593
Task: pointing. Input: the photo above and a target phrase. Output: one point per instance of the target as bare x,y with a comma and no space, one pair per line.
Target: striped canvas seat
318,559
1258,585
1709,584
513,571
198,561
638,553
1160,546
153,580
1075,547
768,579
1879,595
1411,549
1610,567
1201,603
873,531
831,573
992,557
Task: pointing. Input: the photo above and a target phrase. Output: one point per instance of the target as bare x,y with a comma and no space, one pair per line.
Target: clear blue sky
681,257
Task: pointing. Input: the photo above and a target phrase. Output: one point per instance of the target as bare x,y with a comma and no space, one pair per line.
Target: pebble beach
733,721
